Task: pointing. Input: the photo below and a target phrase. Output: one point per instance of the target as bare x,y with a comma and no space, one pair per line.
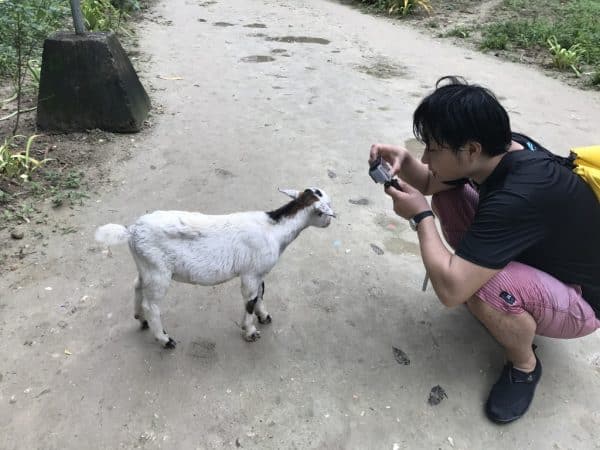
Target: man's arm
453,278
408,168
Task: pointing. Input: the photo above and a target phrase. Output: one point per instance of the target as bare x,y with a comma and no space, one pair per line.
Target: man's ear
474,148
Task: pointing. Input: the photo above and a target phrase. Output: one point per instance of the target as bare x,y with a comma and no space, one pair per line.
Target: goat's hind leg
153,292
260,310
138,311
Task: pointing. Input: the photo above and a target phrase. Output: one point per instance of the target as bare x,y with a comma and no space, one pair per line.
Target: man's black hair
458,112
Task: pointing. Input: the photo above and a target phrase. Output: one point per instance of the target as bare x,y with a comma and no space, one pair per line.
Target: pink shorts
558,308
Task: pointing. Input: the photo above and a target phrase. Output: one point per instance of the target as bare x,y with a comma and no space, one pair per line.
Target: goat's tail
112,234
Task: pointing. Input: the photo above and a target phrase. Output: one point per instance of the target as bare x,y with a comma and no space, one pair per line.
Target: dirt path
77,373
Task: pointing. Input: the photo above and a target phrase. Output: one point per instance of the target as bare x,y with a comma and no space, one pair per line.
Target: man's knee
476,306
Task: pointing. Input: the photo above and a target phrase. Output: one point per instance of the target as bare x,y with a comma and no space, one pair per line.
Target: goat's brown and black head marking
309,198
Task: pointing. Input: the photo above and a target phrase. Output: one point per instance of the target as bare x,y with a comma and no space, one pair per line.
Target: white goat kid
211,249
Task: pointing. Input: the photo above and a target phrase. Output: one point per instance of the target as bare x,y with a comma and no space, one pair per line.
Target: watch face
413,224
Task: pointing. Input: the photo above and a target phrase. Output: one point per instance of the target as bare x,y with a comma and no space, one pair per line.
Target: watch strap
416,219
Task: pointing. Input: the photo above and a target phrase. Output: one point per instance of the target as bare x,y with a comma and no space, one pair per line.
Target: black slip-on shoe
512,394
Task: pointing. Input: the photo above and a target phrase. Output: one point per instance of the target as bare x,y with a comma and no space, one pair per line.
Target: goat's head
317,201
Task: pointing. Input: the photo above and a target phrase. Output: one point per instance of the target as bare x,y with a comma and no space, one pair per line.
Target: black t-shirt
533,209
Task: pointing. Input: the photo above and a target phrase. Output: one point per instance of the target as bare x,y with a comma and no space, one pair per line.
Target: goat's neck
290,227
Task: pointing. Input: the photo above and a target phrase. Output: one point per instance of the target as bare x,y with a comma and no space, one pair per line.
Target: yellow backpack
586,164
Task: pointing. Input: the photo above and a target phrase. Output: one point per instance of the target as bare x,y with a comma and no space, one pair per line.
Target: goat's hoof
171,344
144,325
252,337
266,320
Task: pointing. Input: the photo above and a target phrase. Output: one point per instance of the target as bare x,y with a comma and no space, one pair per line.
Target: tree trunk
77,17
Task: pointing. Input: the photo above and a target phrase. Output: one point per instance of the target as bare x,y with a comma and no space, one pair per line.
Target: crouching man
524,227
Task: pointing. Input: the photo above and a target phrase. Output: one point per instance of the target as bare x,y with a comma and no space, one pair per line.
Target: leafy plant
127,5
405,7
564,58
24,24
72,197
493,40
459,32
4,197
400,7
102,15
64,188
18,164
33,65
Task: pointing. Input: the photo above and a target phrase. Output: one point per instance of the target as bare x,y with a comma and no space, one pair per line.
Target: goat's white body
203,249
208,250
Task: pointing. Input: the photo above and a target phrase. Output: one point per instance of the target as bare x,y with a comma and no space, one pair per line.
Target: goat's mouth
321,214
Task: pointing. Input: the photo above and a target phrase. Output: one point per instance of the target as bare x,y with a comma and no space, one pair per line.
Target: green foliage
522,34
24,24
533,22
101,15
400,7
4,197
127,5
64,188
18,163
564,58
459,32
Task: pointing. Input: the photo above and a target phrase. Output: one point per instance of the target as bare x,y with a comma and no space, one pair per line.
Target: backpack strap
535,146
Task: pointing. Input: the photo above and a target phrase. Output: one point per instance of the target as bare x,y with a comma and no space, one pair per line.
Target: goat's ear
289,192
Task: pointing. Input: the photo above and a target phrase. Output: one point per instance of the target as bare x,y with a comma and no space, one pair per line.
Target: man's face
444,163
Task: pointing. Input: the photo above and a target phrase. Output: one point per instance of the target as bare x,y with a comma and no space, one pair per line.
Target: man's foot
512,394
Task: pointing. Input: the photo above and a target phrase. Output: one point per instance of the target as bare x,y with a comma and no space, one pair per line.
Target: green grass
530,23
459,32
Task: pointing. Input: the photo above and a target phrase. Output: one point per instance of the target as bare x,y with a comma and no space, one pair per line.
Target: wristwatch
414,222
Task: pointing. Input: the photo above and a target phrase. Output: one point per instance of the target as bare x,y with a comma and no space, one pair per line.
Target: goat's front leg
251,287
259,309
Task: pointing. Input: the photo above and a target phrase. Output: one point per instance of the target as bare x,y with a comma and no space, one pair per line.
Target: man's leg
455,209
514,332
515,305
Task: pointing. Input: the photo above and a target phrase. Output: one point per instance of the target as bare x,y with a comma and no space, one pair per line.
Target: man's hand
391,154
408,202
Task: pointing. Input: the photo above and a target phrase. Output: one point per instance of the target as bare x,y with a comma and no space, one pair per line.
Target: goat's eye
318,192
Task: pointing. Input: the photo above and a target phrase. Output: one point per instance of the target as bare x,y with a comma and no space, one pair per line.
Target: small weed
564,58
60,197
494,40
15,163
65,188
400,7
4,197
406,7
53,177
459,32
24,212
7,215
36,188
72,180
